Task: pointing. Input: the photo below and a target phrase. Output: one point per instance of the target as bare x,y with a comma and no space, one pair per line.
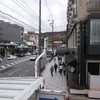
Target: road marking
19,61
16,62
22,60
8,65
11,73
14,71
12,63
30,63
3,66
26,71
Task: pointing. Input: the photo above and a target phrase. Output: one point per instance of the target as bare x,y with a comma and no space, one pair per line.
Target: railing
93,5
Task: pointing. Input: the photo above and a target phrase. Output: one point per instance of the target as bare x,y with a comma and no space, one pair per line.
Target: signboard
51,95
72,69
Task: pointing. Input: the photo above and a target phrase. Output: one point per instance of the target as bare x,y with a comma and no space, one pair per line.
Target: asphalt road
21,66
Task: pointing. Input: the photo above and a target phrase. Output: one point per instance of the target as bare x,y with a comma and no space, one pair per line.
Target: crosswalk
13,63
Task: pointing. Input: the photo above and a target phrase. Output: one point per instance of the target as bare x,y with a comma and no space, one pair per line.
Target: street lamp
52,25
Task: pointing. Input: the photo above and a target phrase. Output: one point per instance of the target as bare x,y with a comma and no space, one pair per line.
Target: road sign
47,99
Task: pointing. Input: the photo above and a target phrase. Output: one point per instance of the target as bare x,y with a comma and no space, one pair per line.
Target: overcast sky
26,13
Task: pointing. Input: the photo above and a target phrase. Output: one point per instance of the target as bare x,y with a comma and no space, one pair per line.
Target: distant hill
50,34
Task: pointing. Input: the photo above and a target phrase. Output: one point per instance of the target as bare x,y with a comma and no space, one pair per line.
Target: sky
26,14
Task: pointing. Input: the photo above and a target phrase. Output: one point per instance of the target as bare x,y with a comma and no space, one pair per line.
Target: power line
22,7
16,12
48,9
32,11
18,20
29,7
23,4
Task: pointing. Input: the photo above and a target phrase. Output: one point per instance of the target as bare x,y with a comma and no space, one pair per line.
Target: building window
95,32
74,12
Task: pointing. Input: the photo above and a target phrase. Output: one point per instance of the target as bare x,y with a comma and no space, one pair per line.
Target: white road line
16,62
8,65
12,63
11,73
30,63
22,60
26,71
3,66
14,71
19,61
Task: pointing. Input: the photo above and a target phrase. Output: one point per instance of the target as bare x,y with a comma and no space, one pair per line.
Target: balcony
93,5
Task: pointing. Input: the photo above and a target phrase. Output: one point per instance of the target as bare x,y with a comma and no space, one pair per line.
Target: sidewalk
57,82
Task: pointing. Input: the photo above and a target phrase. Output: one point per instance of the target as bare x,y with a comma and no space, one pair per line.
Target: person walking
55,67
51,70
60,68
64,68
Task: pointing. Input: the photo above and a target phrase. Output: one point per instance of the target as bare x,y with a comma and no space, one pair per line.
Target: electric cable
48,9
16,12
17,19
18,4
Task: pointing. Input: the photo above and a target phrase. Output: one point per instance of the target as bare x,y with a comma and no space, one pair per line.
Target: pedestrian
55,67
60,68
63,64
51,70
64,68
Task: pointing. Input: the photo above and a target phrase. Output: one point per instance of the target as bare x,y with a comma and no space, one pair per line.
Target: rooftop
19,88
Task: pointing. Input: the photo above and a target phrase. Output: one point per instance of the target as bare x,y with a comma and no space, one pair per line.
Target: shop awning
19,88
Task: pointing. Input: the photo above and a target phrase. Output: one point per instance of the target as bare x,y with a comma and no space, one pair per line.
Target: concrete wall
82,9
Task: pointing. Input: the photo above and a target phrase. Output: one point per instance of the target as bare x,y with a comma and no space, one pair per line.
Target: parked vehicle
33,58
10,57
20,55
49,53
28,54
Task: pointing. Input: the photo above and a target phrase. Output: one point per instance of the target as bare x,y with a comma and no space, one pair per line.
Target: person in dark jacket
55,67
64,68
51,70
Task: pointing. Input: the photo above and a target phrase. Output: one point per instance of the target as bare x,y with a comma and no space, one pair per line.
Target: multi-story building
10,32
84,36
10,36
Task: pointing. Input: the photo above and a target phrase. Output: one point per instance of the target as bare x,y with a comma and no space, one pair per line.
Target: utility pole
39,36
52,25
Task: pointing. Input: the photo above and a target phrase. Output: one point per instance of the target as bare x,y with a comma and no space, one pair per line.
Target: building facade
84,37
10,32
10,36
